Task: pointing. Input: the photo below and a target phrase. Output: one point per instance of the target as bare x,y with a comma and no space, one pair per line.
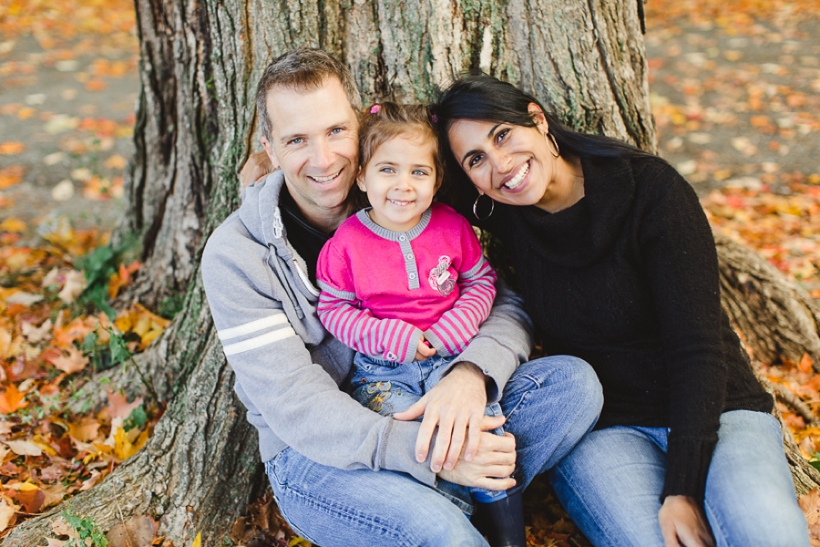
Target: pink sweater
383,290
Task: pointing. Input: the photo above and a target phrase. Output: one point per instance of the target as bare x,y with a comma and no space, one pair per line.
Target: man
322,450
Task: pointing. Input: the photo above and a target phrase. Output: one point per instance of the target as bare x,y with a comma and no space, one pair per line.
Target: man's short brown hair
302,68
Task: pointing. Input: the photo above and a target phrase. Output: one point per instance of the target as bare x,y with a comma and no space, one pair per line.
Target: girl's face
510,163
400,181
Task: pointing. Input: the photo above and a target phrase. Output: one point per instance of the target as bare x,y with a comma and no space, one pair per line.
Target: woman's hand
495,458
456,406
258,165
683,524
423,351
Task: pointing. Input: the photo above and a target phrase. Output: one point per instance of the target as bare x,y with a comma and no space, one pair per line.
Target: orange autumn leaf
69,361
11,176
806,365
85,430
9,148
121,278
12,400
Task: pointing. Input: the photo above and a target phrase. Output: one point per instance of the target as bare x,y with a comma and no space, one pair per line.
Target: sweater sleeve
287,393
339,311
679,254
476,282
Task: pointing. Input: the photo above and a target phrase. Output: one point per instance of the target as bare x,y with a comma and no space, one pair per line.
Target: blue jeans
550,403
388,388
610,484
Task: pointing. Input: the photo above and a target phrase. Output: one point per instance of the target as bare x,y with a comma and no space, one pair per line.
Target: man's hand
492,465
683,524
423,351
456,406
258,165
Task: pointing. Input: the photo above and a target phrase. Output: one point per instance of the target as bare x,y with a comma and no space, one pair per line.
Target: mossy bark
200,61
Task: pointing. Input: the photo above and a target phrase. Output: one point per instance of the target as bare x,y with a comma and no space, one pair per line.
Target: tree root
782,392
778,319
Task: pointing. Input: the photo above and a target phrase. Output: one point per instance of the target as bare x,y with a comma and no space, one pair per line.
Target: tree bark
200,61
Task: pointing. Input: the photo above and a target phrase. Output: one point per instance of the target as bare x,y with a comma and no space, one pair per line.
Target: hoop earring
475,207
551,138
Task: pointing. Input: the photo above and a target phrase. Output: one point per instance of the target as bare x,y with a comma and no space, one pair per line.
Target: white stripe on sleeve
269,321
259,341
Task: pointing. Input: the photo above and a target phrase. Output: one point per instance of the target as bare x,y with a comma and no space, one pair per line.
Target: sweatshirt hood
259,211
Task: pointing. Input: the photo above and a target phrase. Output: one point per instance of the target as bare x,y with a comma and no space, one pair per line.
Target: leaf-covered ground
735,89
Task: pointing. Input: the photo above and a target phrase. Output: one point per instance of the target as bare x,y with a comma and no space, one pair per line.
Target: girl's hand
423,351
495,458
456,407
683,524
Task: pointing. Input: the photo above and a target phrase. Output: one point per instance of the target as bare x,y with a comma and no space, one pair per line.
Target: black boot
502,521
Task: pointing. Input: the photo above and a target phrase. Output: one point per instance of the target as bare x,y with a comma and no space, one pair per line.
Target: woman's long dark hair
485,98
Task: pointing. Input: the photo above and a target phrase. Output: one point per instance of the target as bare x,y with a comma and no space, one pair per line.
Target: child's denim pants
388,387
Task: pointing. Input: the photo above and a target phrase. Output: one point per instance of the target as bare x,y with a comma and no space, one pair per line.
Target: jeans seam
523,397
716,517
583,502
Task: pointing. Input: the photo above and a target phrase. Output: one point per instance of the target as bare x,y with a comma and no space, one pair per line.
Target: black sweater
627,279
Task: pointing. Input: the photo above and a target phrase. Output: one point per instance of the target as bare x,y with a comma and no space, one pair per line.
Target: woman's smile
514,181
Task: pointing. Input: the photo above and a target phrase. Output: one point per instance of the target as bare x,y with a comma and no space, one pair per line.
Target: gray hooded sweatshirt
289,369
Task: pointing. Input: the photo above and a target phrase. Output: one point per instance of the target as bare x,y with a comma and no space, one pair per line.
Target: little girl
405,283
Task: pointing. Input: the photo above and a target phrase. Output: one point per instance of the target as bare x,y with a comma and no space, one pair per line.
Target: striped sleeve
456,327
339,311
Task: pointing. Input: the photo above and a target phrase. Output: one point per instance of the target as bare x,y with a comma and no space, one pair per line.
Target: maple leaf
75,361
11,400
36,334
74,285
86,430
54,494
118,406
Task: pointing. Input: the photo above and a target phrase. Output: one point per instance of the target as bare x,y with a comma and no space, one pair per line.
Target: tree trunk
200,61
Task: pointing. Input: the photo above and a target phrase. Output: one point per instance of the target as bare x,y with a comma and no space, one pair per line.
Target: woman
617,265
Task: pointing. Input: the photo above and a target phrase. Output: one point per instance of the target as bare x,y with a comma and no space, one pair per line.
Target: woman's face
510,163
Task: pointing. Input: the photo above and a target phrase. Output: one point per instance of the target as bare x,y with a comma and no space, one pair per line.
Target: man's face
314,139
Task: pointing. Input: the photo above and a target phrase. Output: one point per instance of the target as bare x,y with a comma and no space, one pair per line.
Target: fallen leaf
34,334
11,400
73,362
13,224
138,531
12,175
5,428
86,430
31,500
806,365
24,448
9,148
198,540
54,494
118,406
23,298
62,191
7,512
74,286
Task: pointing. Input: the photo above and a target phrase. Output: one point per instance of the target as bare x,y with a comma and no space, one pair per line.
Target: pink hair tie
375,108
434,118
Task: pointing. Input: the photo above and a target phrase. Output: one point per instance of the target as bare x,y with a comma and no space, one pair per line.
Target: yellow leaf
11,400
299,542
198,541
13,224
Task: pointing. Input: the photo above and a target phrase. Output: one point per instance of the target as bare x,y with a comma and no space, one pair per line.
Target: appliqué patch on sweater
440,278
